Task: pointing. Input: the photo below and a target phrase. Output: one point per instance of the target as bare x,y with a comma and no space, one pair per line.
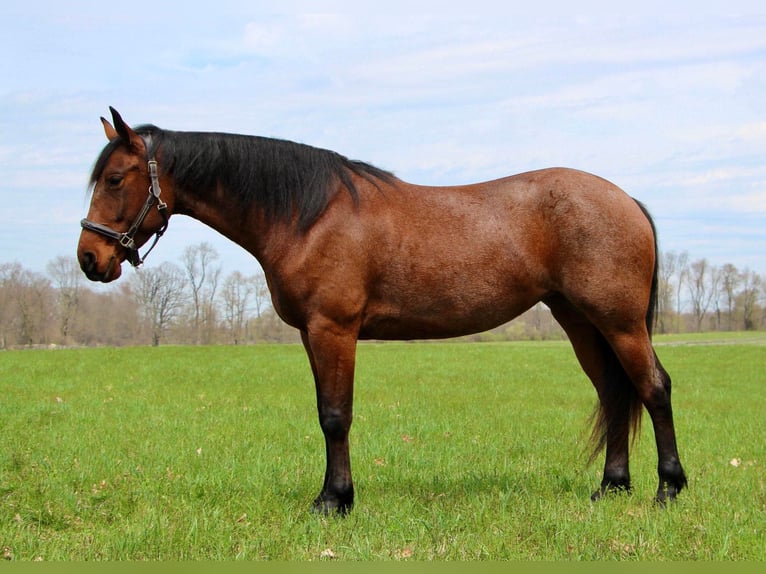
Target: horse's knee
334,422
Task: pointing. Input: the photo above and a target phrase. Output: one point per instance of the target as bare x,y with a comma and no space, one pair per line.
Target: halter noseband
127,239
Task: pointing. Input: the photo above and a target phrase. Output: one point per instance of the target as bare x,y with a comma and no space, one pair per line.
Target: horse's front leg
332,356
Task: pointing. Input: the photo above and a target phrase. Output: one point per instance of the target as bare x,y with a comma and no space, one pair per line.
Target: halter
127,239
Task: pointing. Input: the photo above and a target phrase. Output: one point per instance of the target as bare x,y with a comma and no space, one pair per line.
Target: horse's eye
114,180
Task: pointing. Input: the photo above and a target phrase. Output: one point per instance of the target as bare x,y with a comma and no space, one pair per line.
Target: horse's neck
252,231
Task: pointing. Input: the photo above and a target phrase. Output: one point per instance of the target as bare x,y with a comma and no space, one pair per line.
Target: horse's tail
651,311
620,408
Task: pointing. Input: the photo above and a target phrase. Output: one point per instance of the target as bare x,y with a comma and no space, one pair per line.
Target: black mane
284,178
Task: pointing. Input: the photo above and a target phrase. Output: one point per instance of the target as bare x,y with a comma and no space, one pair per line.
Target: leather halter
127,238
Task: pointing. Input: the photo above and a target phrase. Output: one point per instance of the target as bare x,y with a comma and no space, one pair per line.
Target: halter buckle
127,241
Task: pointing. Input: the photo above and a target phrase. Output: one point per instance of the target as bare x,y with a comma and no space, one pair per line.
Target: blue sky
667,102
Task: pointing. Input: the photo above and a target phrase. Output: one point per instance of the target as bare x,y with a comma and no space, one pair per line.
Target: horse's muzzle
89,265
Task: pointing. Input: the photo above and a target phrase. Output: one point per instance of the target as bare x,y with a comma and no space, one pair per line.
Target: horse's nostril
87,261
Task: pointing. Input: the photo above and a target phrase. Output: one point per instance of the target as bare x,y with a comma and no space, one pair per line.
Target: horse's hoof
331,507
610,489
670,486
665,495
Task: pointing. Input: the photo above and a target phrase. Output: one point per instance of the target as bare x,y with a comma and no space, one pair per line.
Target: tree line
189,302
192,302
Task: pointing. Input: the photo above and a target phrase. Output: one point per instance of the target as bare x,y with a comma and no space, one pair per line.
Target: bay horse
351,252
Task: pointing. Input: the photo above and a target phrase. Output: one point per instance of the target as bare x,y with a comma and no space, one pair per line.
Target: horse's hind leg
618,406
652,383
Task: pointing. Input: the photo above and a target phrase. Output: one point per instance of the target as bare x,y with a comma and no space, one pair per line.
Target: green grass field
459,451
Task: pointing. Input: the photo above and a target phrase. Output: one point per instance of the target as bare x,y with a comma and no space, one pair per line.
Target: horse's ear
125,132
111,133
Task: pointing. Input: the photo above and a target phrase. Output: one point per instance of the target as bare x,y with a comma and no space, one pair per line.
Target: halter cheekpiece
127,238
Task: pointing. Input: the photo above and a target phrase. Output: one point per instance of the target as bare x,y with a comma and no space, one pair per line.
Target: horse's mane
286,179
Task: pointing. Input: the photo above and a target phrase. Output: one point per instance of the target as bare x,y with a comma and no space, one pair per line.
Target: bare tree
261,294
66,275
235,293
730,281
682,274
159,292
752,284
8,276
108,317
203,275
26,306
703,281
665,291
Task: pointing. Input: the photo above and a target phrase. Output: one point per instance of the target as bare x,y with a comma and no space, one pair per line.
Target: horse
351,252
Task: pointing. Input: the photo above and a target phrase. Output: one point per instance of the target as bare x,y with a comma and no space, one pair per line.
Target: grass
460,452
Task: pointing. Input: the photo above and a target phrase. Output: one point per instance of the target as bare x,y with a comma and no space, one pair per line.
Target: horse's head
126,209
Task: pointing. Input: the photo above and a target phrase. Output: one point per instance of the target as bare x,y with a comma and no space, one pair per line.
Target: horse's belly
434,317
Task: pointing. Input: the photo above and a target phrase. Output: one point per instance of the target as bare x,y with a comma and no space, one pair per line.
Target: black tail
651,311
618,412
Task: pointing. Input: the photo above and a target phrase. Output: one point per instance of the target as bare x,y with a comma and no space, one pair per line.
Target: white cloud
755,131
264,37
724,175
291,36
667,103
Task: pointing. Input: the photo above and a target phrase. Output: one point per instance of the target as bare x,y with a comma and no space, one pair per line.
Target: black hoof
672,481
666,493
331,506
610,489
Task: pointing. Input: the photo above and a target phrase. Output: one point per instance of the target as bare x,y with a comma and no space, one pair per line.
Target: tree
261,294
108,317
6,300
703,281
682,274
159,292
730,281
203,278
748,297
26,306
66,275
669,261
236,293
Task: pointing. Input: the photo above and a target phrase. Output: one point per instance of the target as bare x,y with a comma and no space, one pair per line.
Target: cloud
724,175
280,34
667,103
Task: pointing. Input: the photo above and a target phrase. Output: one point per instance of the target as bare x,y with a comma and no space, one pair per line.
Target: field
460,452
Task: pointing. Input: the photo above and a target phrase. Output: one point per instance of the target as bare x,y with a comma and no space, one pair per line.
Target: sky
665,99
